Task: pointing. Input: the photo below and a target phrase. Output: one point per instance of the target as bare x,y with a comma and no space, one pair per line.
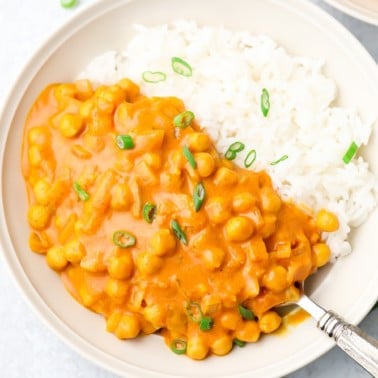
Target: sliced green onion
124,239
125,142
189,156
193,310
206,323
233,150
236,147
180,234
181,67
265,104
68,3
282,158
178,346
153,77
239,343
246,313
230,155
348,156
149,212
198,196
81,193
183,119
250,158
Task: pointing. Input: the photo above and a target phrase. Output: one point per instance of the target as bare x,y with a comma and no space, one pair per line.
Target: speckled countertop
27,347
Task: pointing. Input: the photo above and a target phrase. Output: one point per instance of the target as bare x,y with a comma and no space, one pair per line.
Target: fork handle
352,340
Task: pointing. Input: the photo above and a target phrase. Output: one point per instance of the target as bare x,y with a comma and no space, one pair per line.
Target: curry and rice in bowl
186,184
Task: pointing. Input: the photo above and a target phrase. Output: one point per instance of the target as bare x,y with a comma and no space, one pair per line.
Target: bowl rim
355,10
16,92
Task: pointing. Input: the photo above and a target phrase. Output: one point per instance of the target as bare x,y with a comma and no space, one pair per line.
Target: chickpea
35,156
163,242
41,191
71,125
198,142
222,345
128,327
39,217
93,142
239,228
147,263
86,108
121,267
230,320
132,90
218,209
269,322
225,177
88,298
153,160
205,164
243,202
248,331
213,257
116,289
196,348
269,225
155,315
113,320
55,258
276,278
39,243
121,198
270,201
74,251
39,136
83,89
322,254
64,90
326,221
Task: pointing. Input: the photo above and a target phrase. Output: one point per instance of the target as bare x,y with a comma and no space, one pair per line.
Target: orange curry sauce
242,251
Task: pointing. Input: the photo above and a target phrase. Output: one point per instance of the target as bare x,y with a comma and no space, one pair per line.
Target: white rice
229,71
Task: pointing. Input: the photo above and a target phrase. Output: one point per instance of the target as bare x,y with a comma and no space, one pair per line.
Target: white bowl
351,285
365,10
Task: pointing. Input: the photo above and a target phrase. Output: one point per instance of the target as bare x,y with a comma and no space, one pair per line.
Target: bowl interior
350,286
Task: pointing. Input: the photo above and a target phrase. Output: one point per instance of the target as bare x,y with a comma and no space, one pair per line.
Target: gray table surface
27,347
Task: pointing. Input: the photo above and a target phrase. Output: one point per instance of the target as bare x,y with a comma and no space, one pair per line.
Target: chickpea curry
152,228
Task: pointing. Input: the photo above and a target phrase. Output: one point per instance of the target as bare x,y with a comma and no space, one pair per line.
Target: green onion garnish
189,156
348,156
181,67
124,239
246,313
178,346
198,196
236,146
125,142
250,158
183,119
265,104
206,323
81,193
180,234
239,343
230,155
233,150
149,212
153,77
282,158
68,3
193,310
